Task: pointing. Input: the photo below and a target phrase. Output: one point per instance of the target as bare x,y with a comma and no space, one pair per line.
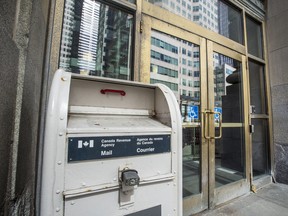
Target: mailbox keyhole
130,177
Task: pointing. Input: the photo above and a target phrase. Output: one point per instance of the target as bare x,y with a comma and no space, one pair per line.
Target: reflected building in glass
186,81
96,40
221,72
88,37
202,12
115,44
176,63
164,66
67,32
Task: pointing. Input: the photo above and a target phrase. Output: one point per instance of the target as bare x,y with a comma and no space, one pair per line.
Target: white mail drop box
112,148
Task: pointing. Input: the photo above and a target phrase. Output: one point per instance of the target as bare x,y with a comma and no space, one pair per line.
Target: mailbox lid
114,123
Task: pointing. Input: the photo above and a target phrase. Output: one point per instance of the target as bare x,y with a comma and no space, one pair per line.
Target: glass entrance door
225,124
207,80
177,58
216,171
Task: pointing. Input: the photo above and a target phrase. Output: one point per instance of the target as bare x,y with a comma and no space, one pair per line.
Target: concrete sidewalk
271,200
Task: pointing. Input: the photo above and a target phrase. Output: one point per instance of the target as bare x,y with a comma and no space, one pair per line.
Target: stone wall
9,57
22,53
277,40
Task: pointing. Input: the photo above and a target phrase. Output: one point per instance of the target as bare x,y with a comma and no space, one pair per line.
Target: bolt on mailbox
112,148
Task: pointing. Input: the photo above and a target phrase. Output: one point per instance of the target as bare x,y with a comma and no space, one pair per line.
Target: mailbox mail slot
112,148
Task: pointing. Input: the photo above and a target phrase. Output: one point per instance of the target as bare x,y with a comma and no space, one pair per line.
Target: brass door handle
220,125
205,115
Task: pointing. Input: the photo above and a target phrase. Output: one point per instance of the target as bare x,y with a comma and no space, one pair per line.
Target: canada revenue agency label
90,148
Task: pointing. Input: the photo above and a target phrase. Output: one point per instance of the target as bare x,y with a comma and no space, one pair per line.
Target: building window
230,22
257,89
184,13
196,18
184,71
183,3
183,61
254,37
184,92
196,8
183,51
172,4
172,86
184,82
196,54
164,58
164,45
163,71
196,64
96,40
216,15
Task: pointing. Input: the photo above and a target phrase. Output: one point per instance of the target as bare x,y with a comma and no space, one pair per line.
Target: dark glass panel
254,37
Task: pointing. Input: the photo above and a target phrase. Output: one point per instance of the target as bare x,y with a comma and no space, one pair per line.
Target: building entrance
214,168
208,81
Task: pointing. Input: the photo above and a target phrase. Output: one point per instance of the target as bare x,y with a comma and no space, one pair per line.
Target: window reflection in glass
254,37
96,40
230,149
228,87
230,22
215,15
175,63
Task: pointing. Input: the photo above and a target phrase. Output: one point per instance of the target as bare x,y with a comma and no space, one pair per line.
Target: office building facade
225,61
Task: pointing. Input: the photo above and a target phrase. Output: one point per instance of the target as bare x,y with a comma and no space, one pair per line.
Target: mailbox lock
130,177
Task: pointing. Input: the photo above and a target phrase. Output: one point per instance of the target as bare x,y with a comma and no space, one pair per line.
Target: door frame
208,41
198,202
241,187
